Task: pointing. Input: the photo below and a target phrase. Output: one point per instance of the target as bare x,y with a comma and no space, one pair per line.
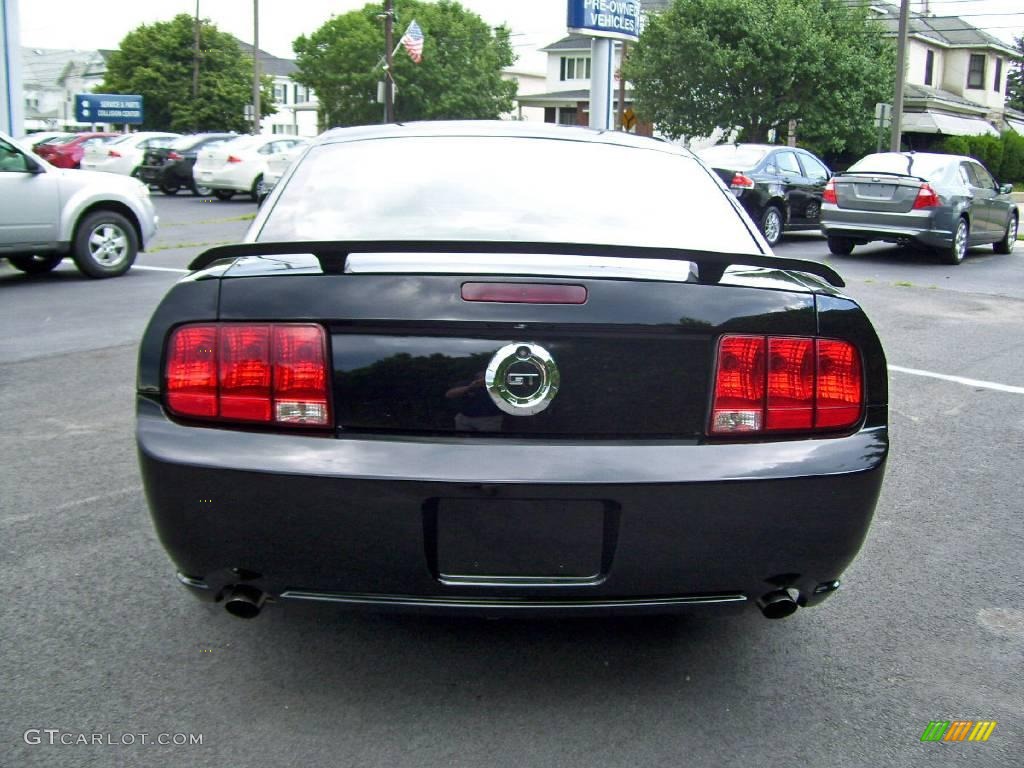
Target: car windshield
737,158
486,188
244,142
61,140
925,166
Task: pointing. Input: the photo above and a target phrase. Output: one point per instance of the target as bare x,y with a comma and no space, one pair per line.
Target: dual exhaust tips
247,602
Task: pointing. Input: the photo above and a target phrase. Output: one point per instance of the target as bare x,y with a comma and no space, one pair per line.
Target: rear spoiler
711,265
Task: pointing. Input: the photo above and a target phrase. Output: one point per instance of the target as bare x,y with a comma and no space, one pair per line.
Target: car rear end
894,197
231,166
505,426
736,165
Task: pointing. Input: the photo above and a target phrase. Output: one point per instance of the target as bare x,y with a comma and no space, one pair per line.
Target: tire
201,191
840,246
36,265
105,245
954,254
224,194
771,225
1009,237
257,188
169,189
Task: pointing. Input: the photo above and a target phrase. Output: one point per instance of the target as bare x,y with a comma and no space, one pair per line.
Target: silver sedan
946,203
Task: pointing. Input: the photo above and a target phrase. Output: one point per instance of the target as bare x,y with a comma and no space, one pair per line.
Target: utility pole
622,87
255,67
389,33
195,70
901,71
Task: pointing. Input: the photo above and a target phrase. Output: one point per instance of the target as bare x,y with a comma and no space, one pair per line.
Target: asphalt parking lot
97,637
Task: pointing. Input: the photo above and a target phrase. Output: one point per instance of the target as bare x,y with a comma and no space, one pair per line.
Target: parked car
124,155
426,381
33,140
780,187
277,164
238,165
943,202
47,213
170,167
67,151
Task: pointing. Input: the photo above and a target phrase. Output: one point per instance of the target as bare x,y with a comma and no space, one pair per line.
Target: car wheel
169,189
105,245
955,253
36,265
224,194
201,191
1009,237
771,225
840,246
257,189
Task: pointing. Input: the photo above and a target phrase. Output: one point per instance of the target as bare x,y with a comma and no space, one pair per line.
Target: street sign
616,19
108,108
883,115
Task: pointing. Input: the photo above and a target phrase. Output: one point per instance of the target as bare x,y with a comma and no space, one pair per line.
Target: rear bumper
228,178
355,520
927,227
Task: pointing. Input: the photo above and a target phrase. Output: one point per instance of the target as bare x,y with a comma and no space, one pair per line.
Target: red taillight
234,159
113,153
740,181
829,194
173,156
525,293
926,197
249,372
785,384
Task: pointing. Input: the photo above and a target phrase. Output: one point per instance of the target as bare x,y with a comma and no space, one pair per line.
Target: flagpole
389,96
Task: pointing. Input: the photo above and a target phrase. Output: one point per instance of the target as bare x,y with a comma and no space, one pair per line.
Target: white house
51,77
955,76
296,105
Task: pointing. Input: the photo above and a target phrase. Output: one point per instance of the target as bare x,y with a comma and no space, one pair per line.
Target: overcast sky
534,23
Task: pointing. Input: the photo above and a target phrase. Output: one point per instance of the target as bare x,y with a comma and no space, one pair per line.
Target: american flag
413,42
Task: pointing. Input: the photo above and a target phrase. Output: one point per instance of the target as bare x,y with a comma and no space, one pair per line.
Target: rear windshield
186,143
496,189
61,140
926,166
735,158
244,142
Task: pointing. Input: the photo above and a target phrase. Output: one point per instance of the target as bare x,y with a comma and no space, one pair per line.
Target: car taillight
249,373
173,156
234,159
926,197
740,181
829,194
785,384
113,153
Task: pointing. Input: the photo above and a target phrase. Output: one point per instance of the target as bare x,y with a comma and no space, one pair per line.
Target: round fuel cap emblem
522,379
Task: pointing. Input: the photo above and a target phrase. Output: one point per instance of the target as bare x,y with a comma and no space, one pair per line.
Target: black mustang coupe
431,379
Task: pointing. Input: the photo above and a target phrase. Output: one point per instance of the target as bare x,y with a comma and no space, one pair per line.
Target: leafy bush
1003,156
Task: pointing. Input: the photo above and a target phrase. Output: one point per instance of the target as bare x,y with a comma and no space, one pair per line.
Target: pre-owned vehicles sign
619,19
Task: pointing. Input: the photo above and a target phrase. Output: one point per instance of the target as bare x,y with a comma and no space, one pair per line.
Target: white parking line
960,380
160,269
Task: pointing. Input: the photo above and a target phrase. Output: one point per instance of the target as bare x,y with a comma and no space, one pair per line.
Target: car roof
495,128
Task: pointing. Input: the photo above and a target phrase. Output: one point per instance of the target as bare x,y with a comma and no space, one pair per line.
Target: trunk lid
877,191
635,360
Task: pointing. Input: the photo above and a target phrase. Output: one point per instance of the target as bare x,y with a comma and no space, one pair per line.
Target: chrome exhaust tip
244,602
777,605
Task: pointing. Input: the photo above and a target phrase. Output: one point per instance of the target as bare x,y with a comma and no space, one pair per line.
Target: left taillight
785,384
828,195
257,373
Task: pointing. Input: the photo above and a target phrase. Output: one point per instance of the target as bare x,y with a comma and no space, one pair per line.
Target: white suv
100,220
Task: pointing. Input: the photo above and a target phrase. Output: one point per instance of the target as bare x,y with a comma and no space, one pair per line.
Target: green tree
155,60
1015,78
757,64
458,78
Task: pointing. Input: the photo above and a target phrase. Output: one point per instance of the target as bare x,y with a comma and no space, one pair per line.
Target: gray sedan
942,202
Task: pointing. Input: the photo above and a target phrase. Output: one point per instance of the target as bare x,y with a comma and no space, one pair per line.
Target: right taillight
829,194
926,197
264,373
785,384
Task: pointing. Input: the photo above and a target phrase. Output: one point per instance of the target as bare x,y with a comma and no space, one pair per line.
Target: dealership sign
108,108
617,19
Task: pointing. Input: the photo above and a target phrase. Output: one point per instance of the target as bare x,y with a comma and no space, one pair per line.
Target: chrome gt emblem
522,379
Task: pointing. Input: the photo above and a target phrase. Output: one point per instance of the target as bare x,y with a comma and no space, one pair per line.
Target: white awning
949,125
1016,125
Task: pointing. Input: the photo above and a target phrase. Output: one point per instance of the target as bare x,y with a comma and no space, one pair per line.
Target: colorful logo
958,730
